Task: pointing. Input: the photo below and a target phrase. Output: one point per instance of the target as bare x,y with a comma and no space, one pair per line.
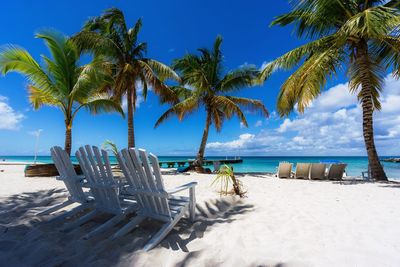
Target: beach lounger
336,171
285,170
146,184
72,182
302,171
96,167
317,171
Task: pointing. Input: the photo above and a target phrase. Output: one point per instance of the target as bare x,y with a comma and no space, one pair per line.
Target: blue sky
172,28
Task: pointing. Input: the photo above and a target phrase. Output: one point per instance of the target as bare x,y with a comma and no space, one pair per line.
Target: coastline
287,222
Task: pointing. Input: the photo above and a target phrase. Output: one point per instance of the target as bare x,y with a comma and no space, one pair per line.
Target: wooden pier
183,163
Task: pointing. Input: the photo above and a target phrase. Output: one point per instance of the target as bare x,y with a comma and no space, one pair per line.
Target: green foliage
110,146
229,184
342,32
108,36
61,81
204,84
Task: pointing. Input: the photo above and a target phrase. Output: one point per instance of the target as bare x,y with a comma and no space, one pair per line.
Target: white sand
281,223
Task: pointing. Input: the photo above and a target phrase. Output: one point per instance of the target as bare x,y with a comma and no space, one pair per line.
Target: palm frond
103,104
16,59
181,110
251,104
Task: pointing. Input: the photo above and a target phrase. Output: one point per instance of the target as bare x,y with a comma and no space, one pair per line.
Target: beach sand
280,223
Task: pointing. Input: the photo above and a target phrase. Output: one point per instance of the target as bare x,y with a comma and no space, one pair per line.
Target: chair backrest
302,171
285,169
317,171
67,174
336,171
95,165
146,181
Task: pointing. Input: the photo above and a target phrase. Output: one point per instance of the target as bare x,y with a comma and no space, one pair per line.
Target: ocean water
355,165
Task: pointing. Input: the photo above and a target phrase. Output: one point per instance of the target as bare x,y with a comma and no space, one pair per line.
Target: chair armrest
181,188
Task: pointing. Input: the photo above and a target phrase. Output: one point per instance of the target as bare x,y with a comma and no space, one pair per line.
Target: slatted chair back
336,171
317,171
95,165
285,169
144,176
67,174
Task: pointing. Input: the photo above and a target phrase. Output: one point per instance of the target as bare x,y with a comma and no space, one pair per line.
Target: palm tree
109,36
208,84
362,35
61,82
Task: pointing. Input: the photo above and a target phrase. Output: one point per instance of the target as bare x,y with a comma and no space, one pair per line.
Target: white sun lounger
317,171
302,171
146,184
96,167
336,171
72,182
285,170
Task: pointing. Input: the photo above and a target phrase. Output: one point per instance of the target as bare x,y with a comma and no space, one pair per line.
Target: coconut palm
61,82
207,86
360,35
109,36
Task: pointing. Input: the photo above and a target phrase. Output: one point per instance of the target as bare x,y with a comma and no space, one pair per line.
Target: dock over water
183,163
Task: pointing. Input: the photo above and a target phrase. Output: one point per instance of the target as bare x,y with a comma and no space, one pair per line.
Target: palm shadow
26,239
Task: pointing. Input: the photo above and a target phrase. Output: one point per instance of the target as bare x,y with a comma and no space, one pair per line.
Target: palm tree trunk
131,130
375,165
200,155
68,137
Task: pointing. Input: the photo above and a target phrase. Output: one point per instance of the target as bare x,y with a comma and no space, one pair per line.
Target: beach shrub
110,146
226,178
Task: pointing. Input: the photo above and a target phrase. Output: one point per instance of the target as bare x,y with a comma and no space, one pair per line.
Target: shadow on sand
28,240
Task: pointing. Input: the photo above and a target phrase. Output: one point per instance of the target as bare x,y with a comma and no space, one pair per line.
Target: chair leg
128,227
163,232
55,208
80,221
110,223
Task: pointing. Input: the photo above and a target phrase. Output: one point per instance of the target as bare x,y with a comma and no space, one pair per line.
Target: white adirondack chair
95,165
72,182
146,184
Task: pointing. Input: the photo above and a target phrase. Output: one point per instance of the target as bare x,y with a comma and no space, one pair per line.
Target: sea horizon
255,164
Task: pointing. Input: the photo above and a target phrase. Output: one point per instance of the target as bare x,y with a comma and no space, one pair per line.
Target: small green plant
110,146
226,177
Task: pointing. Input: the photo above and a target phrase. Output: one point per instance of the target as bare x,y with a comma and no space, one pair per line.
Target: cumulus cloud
332,125
258,123
9,118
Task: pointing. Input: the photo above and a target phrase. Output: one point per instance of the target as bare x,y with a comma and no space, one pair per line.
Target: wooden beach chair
336,171
146,184
302,171
285,170
317,171
72,182
95,165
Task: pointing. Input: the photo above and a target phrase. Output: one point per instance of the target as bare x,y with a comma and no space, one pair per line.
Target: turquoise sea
260,164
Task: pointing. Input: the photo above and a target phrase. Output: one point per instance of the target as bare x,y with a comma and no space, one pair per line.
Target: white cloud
258,123
242,125
332,125
9,118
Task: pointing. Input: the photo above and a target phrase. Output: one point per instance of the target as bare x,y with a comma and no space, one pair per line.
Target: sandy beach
280,223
